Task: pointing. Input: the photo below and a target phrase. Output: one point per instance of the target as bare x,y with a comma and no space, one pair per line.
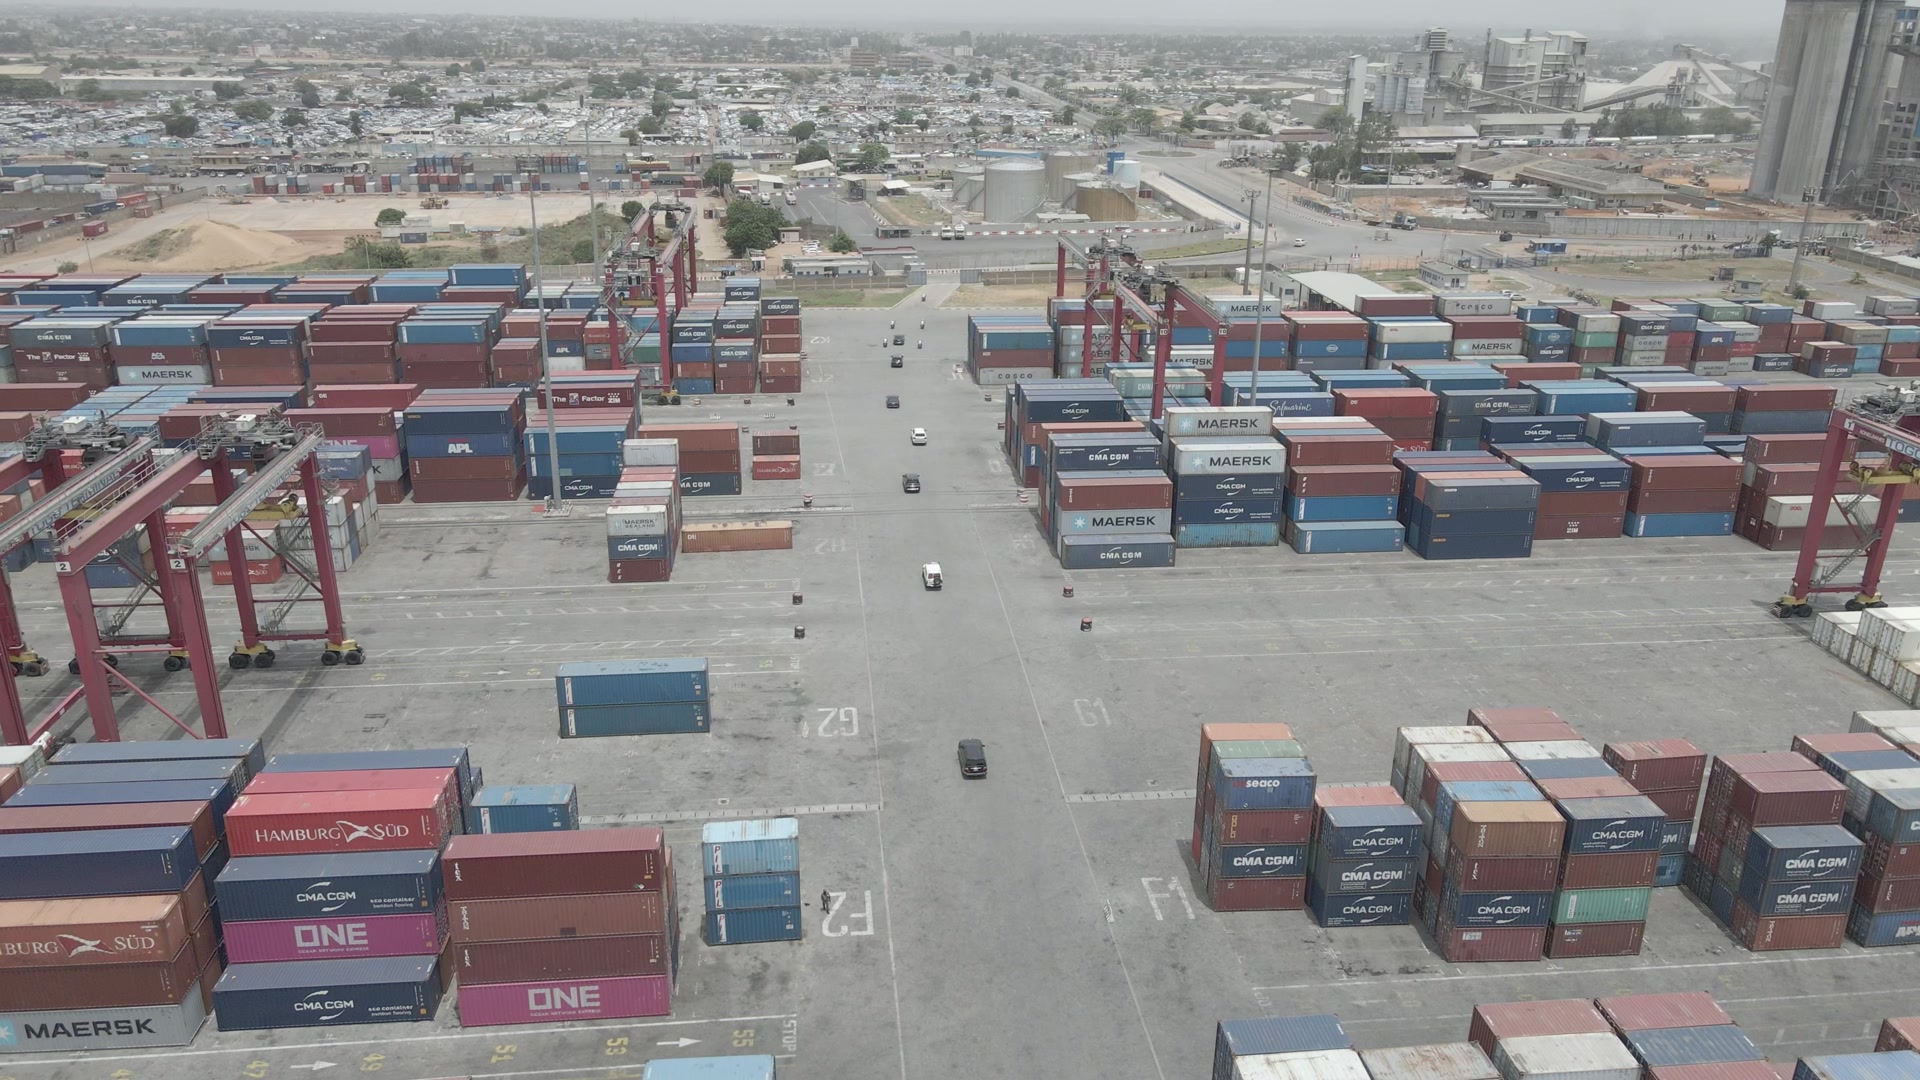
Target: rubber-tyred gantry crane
658,259
1113,271
1888,420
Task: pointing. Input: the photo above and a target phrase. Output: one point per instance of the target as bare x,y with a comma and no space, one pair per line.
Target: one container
327,993
553,864
308,886
488,1005
335,938
581,916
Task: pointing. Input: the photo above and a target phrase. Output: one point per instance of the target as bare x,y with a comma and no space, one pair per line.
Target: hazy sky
1650,18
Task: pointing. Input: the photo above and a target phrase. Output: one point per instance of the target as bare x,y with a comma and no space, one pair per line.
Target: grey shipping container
1107,551
101,862
217,792
232,771
1369,832
299,886
1803,853
327,993
124,1028
1692,1046
1276,1035
247,751
356,760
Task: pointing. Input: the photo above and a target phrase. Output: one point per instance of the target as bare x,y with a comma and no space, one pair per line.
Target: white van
930,575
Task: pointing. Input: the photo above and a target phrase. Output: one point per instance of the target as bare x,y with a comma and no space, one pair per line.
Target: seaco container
326,822
553,864
249,752
583,916
105,862
307,886
552,1000
333,937
355,760
327,993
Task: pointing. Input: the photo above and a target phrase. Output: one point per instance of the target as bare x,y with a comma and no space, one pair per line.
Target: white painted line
1131,796
494,1034
654,817
1548,968
1754,638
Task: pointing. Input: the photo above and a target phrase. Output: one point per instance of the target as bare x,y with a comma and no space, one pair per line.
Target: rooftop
1586,178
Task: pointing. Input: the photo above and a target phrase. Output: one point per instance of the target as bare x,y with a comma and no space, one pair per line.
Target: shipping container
625,682
524,808
327,993
106,862
334,937
308,886
553,864
1435,1061
91,931
1493,1022
249,752
554,1000
323,822
196,817
350,760
1648,1012
1692,1045
124,1028
736,1067
752,926
479,962
1277,1035
580,916
1588,1056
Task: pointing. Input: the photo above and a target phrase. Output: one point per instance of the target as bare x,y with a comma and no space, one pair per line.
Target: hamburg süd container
86,931
277,887
325,822
327,993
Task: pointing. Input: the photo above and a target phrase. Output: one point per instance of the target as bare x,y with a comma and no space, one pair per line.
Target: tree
304,89
582,250
1012,92
477,66
68,267
310,98
1288,156
293,118
1144,119
392,215
1067,114
413,92
630,135
813,151
868,158
88,90
802,131
1568,128
253,110
718,176
650,125
660,104
1248,121
1721,120
841,243
923,121
453,71
632,79
950,70
1337,120
751,120
1188,122
973,80
631,209
353,123
345,93
182,127
227,91
902,116
377,255
751,226
1111,127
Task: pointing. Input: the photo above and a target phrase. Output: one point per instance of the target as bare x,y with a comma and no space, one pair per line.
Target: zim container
493,1004
307,886
327,993
554,864
581,916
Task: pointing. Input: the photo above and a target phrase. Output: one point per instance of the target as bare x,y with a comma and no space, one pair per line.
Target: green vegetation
27,89
631,209
253,110
868,158
392,215
841,243
1198,247
309,93
159,247
68,267
751,120
227,91
750,225
813,151
718,176
413,92
802,131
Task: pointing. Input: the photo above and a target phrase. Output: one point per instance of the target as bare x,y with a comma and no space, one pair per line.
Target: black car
898,361
910,483
893,401
899,339
973,759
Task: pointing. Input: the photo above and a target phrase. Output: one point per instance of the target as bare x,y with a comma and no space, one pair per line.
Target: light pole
556,502
1260,308
1246,261
593,213
1800,249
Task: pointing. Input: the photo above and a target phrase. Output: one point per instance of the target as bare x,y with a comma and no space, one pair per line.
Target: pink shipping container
1653,1012
566,999
1518,1019
274,940
324,822
1723,1070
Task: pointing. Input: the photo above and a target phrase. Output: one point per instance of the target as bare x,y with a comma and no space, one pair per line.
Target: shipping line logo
321,892
343,831
319,1001
7,1036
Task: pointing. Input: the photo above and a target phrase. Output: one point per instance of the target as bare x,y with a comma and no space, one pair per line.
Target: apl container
752,926
488,1005
125,1028
308,886
106,862
766,846
736,891
327,993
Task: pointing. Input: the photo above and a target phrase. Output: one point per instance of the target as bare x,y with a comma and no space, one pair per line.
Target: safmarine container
250,752
1277,1035
578,916
1435,1061
524,808
553,864
334,937
742,1067
327,993
752,926
353,760
735,891
105,862
309,886
123,1028
626,682
656,718
767,846
492,1004
321,822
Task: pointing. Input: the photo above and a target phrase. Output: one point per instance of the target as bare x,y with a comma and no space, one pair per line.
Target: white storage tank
1014,190
1126,175
1062,167
969,186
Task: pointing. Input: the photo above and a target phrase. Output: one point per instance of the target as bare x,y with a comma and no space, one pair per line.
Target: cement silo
969,186
1126,174
1014,190
1100,201
1061,167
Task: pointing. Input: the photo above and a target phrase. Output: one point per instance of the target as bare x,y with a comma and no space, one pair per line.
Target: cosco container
752,926
767,846
327,993
553,1000
247,751
105,862
125,1028
310,886
353,760
627,682
1277,1035
524,808
736,891
553,864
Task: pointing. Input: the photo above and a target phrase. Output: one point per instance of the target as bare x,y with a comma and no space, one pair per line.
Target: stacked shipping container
1252,817
643,524
1227,473
633,697
1362,865
1748,794
750,875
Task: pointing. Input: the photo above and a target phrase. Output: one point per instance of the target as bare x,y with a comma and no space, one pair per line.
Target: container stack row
1668,772
750,877
776,455
466,445
588,442
372,823
1078,406
1343,493
1467,505
1883,810
1091,454
1252,817
643,524
1362,867
709,458
780,345
1227,473
567,925
600,698
1004,349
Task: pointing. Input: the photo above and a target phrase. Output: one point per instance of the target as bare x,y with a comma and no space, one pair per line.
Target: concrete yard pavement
1044,921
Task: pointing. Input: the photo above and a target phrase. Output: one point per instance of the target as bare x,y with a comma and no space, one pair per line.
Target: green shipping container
1596,341
1259,748
1601,905
1721,311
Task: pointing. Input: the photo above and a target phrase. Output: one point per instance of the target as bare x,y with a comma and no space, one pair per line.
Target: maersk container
1369,832
1346,537
248,751
1889,1065
125,1028
1238,421
626,682
1102,551
1621,823
1120,522
736,891
273,887
662,718
1601,905
1277,1035
737,1067
234,772
1263,784
1803,853
760,846
524,808
1248,534
1886,928
219,793
357,760
1331,908
327,993
752,926
1262,860
100,862
1227,457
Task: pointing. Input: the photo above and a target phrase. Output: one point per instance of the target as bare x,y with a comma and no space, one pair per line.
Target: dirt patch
980,296
161,246
210,246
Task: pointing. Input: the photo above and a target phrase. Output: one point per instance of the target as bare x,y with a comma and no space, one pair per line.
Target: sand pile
210,245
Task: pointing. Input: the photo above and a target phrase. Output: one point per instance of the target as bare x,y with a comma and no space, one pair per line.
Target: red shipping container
453,491
1499,721
776,468
99,986
1901,368
1676,501
1489,946
1898,1033
1677,803
1616,870
445,781
1329,795
1113,493
1882,858
464,468
353,420
1339,450
1210,734
1507,829
495,1004
1878,894
1485,327
1387,402
1783,397
325,822
1343,480
1684,472
482,962
1518,372
695,437
1258,894
1658,1012
1586,787
1537,873
1794,798
1263,826
505,865
259,571
1812,746
1596,504
638,571
708,461
1441,772
1775,934
1595,939
590,915
1521,1019
350,395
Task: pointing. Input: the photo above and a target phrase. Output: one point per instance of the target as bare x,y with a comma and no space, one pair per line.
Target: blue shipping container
217,792
520,808
1897,1065
454,757
97,862
1226,511
1316,508
327,993
1263,784
1770,898
622,682
1613,825
1331,909
710,484
306,886
734,892
1345,537
248,751
1369,832
1262,860
1248,534
1482,910
1668,871
741,1067
1276,1035
1360,876
1692,1045
664,718
1803,853
1886,928
751,926
760,846
233,772
1248,486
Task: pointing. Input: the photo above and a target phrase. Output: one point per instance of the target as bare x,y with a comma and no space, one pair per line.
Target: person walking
826,900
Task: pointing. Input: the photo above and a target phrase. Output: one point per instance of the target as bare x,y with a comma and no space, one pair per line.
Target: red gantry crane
658,259
1114,272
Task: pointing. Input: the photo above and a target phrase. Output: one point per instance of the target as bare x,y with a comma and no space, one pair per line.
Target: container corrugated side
1591,1056
493,1004
105,862
582,916
553,864
248,751
752,925
1505,1020
1692,1045
1648,1012
1308,1065
1274,1035
125,1028
743,1067
360,883
1897,1065
1435,1061
327,993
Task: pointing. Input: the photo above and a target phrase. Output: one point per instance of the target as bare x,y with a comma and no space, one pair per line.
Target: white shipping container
1470,347
1217,421
1436,1061
637,520
1825,625
1860,657
1644,343
1226,457
1884,665
165,375
1596,322
1408,333
1900,639
1903,687
655,452
1000,376
1794,511
1873,624
1566,750
1592,1056
1423,756
1710,367
1879,721
1239,308
1406,738
1831,310
1473,304
1737,364
1892,305
1842,644
1744,331
1307,1065
28,759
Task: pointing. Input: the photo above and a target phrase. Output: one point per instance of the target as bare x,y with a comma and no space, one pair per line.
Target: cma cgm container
327,993
554,864
301,886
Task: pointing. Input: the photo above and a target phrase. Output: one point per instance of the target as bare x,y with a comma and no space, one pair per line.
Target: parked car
910,483
897,361
1299,241
893,401
973,759
919,437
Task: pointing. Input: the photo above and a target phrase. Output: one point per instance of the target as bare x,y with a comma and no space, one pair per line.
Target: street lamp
556,502
1246,262
1260,308
1807,198
593,213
